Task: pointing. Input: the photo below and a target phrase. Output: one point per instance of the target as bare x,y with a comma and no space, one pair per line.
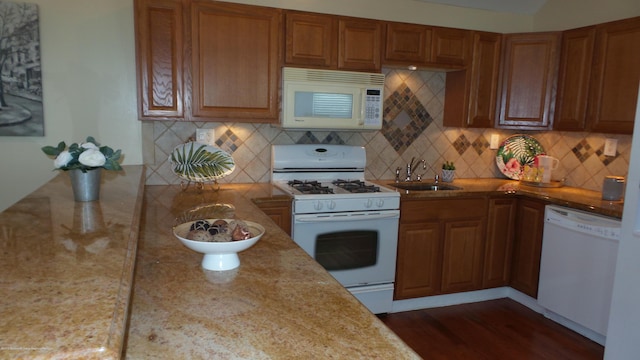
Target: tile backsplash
413,110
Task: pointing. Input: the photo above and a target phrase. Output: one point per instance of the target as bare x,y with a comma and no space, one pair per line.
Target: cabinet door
525,266
418,269
407,44
451,46
236,62
359,44
462,255
528,80
279,212
500,232
614,88
471,94
576,61
159,58
310,39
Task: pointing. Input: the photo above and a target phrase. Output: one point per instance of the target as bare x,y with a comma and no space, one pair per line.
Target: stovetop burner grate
310,187
356,186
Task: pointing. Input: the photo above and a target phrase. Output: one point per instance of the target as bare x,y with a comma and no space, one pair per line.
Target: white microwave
330,99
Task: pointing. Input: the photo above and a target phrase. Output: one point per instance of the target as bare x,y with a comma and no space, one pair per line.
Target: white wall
410,11
571,14
623,337
88,69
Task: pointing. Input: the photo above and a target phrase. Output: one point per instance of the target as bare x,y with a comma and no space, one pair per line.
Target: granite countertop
66,269
572,197
278,304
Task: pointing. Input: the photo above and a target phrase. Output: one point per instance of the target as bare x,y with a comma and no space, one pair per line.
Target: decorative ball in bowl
220,240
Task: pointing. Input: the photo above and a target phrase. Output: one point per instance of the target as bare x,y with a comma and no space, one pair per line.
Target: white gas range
347,224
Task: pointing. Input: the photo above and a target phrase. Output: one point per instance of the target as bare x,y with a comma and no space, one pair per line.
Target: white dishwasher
577,267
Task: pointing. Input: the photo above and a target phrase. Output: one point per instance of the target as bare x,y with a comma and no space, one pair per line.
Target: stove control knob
369,203
318,206
331,205
380,203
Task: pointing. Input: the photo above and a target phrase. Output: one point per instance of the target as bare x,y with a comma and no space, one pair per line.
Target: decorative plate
515,152
199,162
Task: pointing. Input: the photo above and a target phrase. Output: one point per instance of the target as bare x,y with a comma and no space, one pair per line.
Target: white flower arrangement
85,156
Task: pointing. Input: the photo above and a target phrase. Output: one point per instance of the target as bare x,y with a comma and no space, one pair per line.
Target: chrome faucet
411,170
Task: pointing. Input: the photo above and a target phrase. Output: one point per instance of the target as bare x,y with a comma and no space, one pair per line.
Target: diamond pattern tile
405,119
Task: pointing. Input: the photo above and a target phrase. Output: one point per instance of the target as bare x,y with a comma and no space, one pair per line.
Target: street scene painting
21,111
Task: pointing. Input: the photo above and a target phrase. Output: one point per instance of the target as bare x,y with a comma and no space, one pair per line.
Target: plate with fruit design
515,152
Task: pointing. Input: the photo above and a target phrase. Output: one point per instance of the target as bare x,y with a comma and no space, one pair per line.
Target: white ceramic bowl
219,256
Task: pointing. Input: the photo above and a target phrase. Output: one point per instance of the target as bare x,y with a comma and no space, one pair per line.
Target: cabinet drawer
442,209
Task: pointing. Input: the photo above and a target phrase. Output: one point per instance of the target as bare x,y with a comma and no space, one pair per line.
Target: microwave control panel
373,107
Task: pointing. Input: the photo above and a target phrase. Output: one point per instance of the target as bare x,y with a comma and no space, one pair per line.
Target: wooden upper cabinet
528,80
451,46
332,42
615,78
471,93
159,50
407,44
359,44
485,68
235,61
428,46
576,61
310,39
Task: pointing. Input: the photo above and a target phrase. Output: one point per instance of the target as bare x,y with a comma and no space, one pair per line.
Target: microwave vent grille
333,76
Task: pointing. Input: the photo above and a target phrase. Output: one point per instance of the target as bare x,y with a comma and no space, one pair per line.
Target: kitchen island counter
278,303
66,269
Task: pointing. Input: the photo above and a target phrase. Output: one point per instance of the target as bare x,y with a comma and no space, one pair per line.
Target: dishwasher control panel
583,222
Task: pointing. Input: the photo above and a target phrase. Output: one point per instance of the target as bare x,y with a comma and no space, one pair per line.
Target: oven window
346,250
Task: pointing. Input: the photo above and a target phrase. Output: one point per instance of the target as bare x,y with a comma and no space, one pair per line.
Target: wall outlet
495,142
206,136
610,147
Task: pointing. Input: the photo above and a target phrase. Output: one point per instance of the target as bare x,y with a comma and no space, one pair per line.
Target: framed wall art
21,112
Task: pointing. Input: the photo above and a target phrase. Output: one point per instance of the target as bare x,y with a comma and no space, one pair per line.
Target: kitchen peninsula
68,269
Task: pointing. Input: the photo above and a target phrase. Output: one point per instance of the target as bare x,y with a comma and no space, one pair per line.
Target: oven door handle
332,218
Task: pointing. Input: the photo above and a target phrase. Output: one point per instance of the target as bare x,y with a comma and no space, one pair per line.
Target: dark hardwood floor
495,329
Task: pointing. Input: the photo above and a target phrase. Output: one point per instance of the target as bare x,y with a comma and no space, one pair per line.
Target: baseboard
449,299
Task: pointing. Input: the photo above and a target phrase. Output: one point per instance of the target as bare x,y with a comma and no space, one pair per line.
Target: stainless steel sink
420,186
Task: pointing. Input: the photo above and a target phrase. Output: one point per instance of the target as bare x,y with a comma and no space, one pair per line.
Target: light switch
610,147
495,142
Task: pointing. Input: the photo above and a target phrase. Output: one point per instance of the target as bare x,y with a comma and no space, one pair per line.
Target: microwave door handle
363,105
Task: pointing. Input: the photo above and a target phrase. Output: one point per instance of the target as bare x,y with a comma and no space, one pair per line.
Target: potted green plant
448,171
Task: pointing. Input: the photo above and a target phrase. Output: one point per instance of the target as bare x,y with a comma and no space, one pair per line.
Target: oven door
357,248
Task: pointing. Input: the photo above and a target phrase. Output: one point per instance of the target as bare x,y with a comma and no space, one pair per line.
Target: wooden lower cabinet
462,254
419,266
501,223
527,246
464,244
440,246
279,211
